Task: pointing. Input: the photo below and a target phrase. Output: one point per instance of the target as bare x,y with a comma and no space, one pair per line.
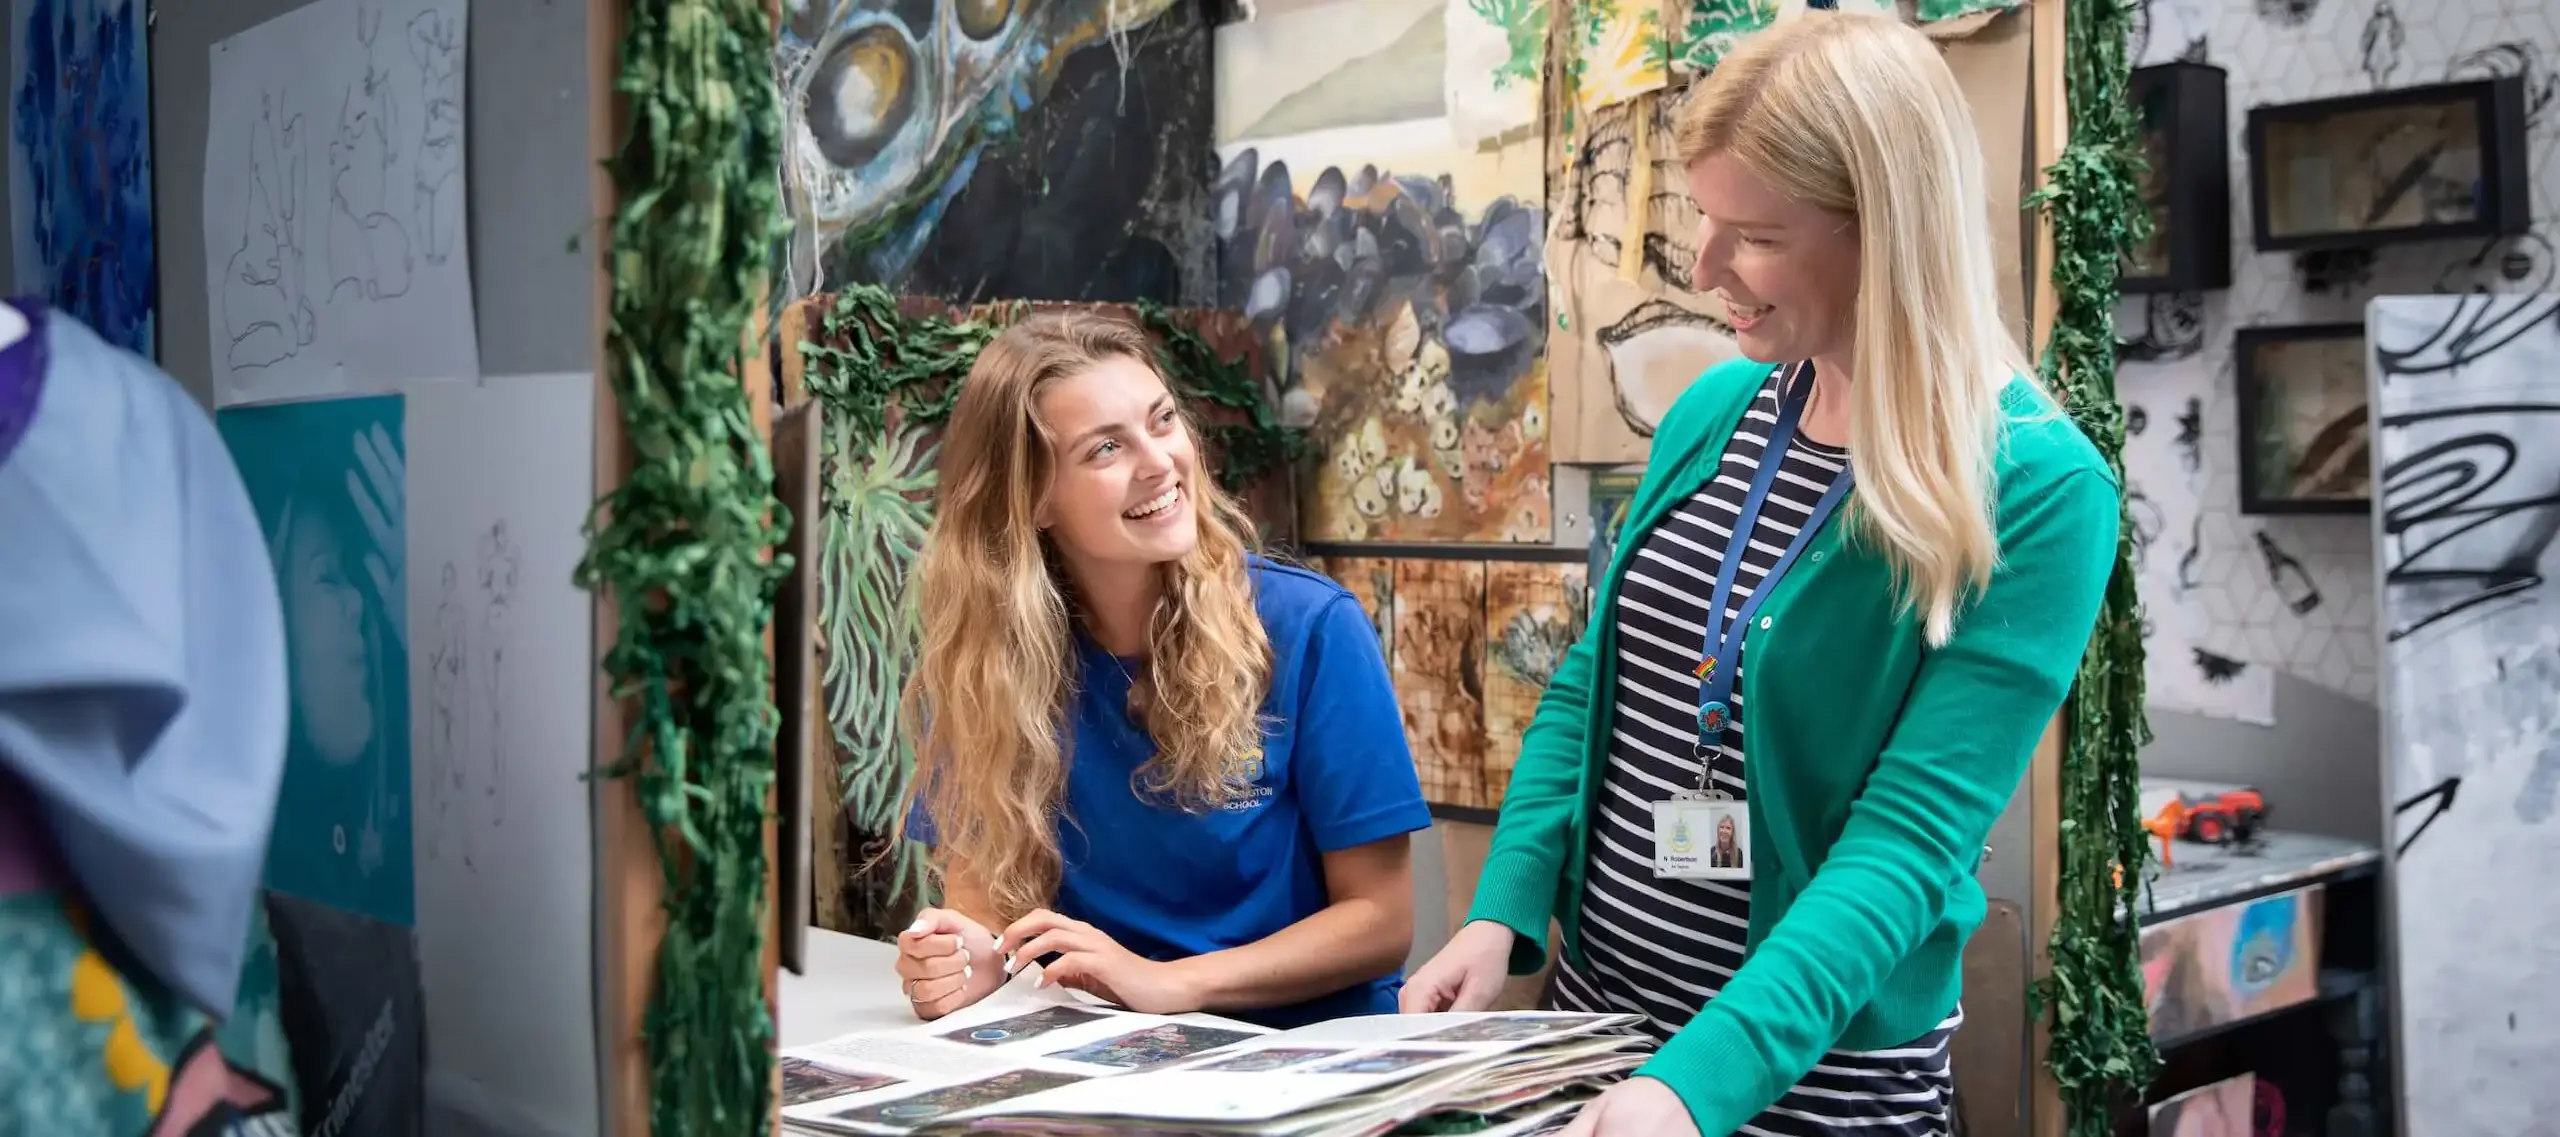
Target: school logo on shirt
1245,771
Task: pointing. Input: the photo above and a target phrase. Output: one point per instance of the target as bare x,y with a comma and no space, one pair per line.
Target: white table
851,985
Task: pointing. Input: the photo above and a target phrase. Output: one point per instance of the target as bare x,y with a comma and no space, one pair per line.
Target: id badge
1701,839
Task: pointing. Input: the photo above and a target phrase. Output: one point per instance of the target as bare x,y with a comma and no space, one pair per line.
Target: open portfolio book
1027,1060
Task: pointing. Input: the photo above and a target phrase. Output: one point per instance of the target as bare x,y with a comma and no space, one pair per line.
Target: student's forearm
1348,942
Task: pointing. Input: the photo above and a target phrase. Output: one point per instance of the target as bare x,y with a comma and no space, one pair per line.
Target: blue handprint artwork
327,478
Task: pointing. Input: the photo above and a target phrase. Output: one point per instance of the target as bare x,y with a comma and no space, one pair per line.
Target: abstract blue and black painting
80,163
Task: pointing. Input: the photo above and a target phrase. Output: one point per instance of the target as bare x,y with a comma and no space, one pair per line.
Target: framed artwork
2416,164
2305,445
2186,136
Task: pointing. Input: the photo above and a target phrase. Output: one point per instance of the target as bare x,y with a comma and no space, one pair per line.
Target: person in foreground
142,746
1907,641
1121,764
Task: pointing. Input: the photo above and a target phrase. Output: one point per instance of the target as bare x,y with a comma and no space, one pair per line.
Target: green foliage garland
866,361
2101,1043
682,544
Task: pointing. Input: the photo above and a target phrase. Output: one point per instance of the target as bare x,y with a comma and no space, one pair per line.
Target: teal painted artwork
328,480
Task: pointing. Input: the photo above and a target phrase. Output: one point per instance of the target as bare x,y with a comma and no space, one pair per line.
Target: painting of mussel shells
984,150
2304,437
1395,275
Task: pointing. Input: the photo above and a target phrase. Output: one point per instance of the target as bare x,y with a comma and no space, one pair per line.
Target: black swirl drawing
2456,483
2171,327
2522,263
2519,58
2465,527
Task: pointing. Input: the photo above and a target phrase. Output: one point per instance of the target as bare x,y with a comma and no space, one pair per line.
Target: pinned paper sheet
1497,49
501,476
335,253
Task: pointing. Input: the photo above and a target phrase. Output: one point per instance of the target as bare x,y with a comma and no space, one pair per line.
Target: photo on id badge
1702,839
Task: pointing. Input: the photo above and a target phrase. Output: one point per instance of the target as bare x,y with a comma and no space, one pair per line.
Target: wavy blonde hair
1858,114
987,703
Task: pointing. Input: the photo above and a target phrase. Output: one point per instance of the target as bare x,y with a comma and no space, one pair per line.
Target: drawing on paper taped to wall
266,317
467,698
435,41
334,202
368,247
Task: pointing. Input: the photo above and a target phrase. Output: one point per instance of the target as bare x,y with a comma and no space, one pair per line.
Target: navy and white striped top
1663,948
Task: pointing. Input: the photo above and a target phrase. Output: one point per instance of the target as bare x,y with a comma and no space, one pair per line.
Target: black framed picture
2185,136
2425,163
2305,441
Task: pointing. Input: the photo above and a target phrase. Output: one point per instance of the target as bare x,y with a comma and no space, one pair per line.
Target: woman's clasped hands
947,961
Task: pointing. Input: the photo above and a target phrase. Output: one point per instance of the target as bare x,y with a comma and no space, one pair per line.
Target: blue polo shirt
1334,773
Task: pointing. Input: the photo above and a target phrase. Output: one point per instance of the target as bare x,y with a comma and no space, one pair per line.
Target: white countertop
851,985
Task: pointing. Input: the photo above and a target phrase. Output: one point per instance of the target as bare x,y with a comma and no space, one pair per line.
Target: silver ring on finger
908,988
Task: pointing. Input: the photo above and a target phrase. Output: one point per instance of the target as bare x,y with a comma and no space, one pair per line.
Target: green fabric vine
682,544
887,382
2101,1043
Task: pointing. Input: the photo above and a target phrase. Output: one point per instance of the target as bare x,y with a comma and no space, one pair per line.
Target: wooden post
629,889
2044,781
630,884
826,809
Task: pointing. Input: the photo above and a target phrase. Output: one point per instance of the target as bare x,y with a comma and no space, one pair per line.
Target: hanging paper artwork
1471,646
329,479
1632,332
1496,50
982,151
1932,11
1713,28
1619,52
1394,276
80,228
1533,614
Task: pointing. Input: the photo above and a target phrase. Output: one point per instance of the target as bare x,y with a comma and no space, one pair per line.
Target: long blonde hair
985,708
1856,113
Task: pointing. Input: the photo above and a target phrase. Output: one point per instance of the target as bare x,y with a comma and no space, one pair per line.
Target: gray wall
2320,767
532,243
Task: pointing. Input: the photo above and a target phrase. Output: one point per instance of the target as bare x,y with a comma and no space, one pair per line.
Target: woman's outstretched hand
1089,960
946,961
1466,975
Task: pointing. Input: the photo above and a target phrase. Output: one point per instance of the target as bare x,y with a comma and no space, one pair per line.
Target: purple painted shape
27,859
21,378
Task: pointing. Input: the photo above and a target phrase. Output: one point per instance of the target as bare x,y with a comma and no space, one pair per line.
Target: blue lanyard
1719,659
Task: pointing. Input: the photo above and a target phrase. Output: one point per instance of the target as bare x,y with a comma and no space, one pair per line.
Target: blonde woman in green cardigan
1883,549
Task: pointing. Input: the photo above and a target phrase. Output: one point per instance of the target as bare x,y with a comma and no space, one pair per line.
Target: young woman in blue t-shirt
1119,763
